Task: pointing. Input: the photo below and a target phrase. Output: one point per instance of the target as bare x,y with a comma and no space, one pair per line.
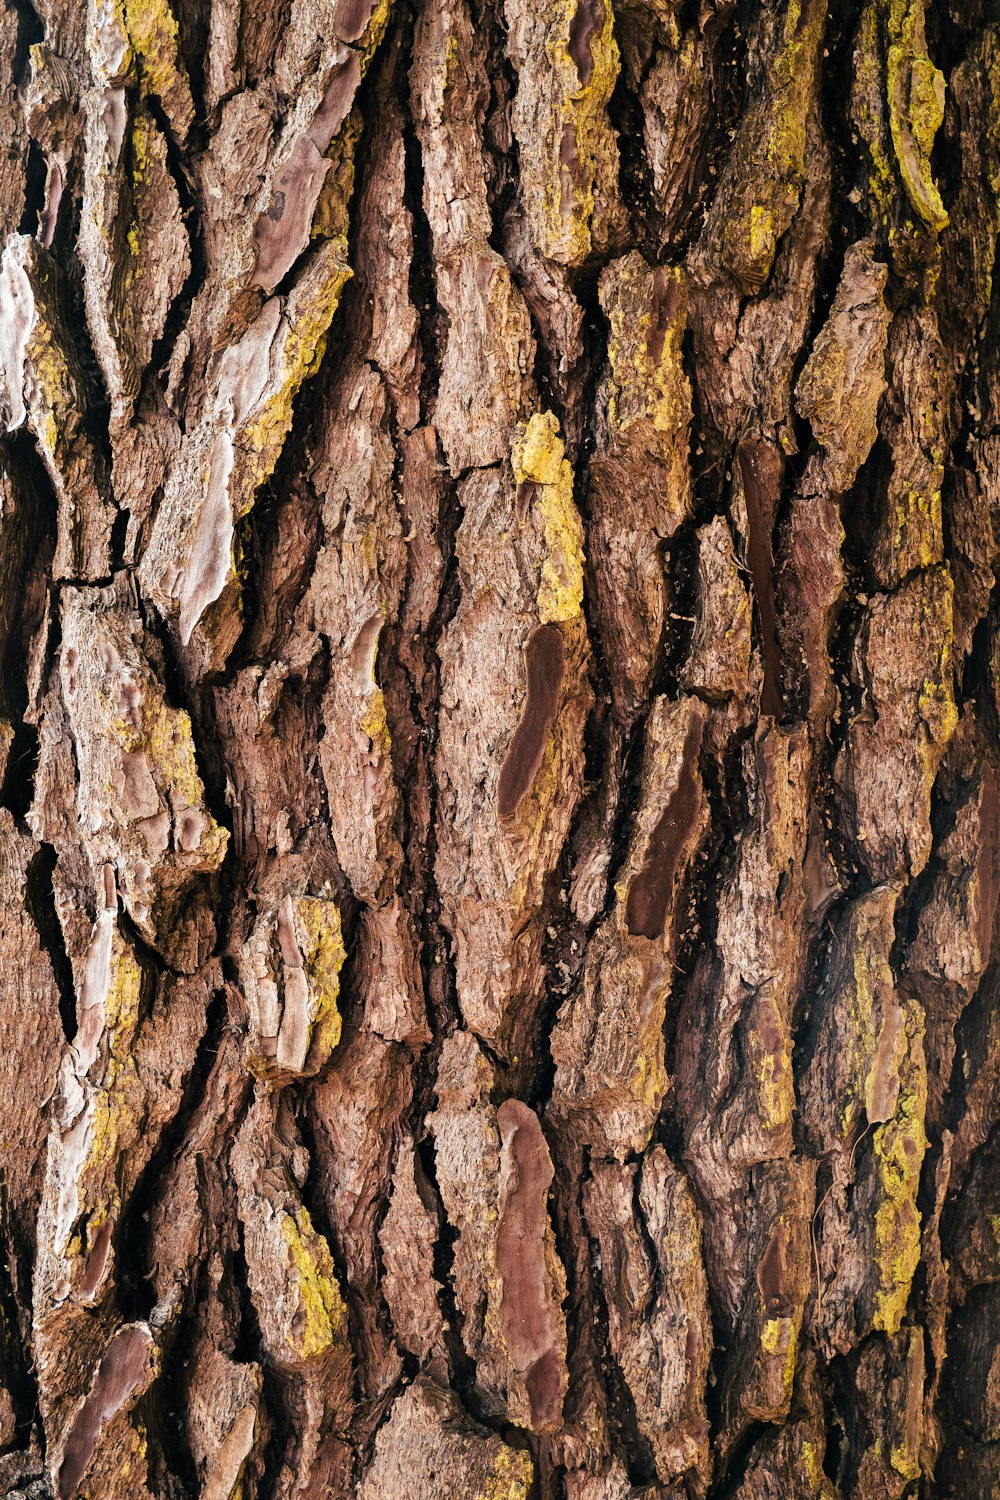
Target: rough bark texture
499,801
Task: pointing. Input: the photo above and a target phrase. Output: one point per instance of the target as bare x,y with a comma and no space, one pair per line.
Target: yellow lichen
114,1122
539,459
151,29
905,1463
915,90
772,1067
762,235
539,452
872,1009
373,33
121,1004
779,1336
53,384
898,1148
48,434
147,145
169,745
109,1118
130,1474
777,1090
145,141
451,59
995,1227
918,539
936,703
577,113
646,387
164,736
812,1463
373,723
760,199
322,1314
310,311
510,1478
330,217
650,1080
865,104
771,1334
323,958
936,699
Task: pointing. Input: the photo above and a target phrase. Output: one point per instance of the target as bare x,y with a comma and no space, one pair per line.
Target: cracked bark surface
499,723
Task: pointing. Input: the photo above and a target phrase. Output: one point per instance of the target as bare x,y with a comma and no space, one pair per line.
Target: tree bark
499,824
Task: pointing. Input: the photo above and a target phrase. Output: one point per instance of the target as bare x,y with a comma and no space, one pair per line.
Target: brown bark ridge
499,771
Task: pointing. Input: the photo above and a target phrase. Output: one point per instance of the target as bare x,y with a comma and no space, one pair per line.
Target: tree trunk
500,832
